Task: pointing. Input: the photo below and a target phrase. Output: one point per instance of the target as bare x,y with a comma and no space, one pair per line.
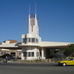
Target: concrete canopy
40,44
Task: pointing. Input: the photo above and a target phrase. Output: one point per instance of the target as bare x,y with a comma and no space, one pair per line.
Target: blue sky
55,19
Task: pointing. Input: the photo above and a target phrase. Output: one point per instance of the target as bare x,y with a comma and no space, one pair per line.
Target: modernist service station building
31,47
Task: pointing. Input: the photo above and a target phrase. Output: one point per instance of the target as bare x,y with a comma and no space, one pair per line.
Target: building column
39,54
16,54
42,53
22,56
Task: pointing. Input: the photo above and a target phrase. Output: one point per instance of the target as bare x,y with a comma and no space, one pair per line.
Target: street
20,68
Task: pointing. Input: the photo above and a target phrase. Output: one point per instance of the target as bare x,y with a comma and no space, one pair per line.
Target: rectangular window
29,39
33,39
25,53
36,40
32,54
24,40
13,53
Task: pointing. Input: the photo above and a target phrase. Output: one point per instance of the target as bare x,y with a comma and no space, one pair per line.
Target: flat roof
40,44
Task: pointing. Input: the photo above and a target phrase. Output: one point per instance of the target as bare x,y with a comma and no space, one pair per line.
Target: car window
71,58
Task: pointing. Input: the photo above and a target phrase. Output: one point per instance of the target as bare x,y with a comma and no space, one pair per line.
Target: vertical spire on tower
33,23
29,20
35,8
29,9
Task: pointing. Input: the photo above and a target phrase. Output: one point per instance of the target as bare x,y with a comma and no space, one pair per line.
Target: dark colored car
8,56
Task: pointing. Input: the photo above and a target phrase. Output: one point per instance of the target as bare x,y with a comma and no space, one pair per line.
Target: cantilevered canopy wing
54,44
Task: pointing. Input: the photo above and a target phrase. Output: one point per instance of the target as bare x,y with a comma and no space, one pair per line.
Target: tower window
33,39
36,40
29,39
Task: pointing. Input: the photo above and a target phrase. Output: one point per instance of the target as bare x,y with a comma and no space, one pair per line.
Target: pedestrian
6,59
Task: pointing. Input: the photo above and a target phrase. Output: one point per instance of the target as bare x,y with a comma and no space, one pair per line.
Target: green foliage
69,51
51,53
34,61
14,59
38,60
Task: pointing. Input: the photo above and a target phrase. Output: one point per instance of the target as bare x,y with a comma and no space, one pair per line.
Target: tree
69,51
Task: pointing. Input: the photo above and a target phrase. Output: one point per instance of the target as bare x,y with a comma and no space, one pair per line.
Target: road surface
14,68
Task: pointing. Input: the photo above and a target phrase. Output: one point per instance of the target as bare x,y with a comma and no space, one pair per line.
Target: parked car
70,61
8,56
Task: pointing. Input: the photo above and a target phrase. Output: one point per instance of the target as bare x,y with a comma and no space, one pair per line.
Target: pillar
42,53
39,54
22,56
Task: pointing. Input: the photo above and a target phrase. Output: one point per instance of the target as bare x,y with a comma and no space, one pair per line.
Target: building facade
13,51
31,47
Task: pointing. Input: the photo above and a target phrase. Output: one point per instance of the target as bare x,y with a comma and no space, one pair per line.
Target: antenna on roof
35,8
29,9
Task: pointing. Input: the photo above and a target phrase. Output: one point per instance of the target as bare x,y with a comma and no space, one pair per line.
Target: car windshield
71,58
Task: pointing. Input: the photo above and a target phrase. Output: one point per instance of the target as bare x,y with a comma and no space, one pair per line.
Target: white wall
31,49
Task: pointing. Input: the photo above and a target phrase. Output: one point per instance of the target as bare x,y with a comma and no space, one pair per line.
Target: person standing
6,59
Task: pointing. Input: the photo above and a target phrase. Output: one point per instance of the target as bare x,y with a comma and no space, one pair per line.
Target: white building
32,47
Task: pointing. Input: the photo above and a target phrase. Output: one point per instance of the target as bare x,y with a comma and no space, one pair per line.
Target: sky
55,19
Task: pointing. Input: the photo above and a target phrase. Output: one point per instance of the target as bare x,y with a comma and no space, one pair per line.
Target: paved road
13,68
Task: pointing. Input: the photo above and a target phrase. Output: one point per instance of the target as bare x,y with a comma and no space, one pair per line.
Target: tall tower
33,25
33,30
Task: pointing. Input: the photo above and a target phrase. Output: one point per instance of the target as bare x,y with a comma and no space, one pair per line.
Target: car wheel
64,64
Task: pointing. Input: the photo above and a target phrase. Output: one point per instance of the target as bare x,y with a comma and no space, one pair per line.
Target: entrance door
47,53
13,54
